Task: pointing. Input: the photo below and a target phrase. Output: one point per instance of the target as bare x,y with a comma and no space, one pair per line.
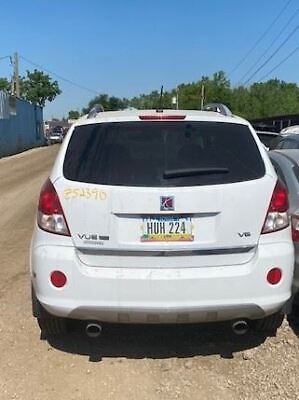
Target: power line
3,58
279,64
272,55
261,38
59,76
270,46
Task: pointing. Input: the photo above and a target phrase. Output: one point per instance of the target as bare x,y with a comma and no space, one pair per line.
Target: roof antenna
160,107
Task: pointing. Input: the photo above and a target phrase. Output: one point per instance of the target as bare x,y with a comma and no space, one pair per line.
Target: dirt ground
126,362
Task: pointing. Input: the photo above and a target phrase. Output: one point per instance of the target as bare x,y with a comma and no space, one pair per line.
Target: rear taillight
277,216
50,216
295,228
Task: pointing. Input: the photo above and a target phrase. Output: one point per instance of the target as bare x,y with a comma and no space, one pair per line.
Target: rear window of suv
162,154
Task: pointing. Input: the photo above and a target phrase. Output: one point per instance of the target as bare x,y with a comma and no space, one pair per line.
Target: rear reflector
295,228
274,276
58,279
50,216
277,216
160,117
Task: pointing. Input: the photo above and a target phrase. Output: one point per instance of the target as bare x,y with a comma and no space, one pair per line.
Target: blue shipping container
21,128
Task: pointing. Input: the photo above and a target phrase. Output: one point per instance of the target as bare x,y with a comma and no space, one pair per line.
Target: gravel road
127,362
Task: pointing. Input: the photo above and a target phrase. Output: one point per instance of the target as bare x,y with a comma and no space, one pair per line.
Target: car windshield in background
158,154
269,139
57,129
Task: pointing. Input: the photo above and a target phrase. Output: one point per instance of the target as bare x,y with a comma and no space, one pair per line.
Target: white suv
162,217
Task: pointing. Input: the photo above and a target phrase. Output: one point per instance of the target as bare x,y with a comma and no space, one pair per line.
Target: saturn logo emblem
167,203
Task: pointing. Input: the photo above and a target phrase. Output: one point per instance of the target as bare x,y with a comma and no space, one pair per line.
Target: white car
56,135
294,129
153,216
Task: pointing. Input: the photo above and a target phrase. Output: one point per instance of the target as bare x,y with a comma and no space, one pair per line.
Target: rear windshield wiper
184,172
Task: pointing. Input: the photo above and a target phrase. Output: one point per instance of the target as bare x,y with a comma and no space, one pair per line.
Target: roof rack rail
95,110
219,108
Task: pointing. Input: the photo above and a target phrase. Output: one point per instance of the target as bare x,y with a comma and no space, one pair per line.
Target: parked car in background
162,216
55,135
294,129
269,139
288,142
286,164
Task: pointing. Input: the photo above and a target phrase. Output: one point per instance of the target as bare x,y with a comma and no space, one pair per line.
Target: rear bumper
162,295
55,139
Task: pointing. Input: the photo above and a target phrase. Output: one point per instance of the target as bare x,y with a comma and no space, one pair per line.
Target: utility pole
15,82
175,100
202,96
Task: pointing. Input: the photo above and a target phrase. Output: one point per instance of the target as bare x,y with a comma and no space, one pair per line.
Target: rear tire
269,324
49,324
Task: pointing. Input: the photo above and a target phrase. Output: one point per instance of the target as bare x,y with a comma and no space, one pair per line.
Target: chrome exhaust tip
93,330
240,327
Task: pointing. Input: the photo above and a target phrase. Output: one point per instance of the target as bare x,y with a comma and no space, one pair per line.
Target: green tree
109,103
4,84
265,99
217,89
240,101
114,103
37,87
273,97
151,100
189,95
73,114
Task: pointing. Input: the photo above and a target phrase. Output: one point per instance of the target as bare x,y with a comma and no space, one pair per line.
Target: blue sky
129,47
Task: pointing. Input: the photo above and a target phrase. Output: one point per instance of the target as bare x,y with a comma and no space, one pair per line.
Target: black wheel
49,324
269,324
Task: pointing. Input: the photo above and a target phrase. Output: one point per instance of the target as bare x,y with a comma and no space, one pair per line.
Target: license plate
167,229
